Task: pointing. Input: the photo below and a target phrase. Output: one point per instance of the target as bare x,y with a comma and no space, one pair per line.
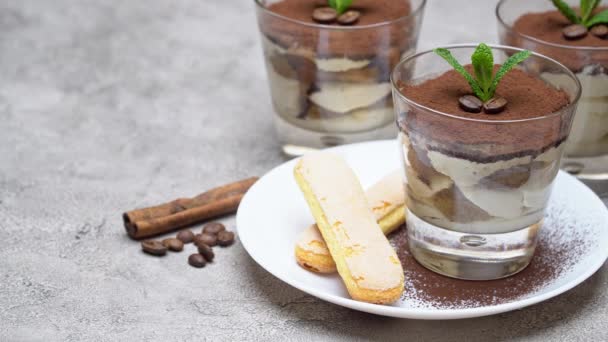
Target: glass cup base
470,256
587,168
296,141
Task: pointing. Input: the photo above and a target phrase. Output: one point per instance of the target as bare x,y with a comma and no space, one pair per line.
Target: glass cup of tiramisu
478,175
329,72
540,27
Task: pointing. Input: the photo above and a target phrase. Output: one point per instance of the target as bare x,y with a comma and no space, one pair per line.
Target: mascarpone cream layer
501,203
287,98
340,64
589,134
343,97
510,208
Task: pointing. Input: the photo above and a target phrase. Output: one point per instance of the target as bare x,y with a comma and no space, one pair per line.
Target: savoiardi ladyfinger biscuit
387,201
365,260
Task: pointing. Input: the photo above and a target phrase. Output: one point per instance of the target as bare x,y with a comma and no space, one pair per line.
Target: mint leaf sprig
586,17
484,83
340,5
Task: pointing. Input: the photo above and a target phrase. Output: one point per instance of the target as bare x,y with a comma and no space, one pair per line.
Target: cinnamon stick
146,222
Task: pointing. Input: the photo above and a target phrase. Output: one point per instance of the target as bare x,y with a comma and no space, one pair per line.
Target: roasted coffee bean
197,260
173,244
470,103
349,17
225,238
495,105
185,236
206,251
574,32
153,247
600,31
213,228
207,239
324,15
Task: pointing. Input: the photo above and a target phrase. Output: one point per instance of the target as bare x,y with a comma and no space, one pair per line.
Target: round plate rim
416,313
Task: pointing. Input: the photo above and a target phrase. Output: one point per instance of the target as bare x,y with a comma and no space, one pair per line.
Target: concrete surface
107,105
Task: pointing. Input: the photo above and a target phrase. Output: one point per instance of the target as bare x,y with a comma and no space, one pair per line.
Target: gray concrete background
107,105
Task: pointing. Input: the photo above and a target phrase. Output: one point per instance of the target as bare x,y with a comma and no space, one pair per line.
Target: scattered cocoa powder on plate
553,257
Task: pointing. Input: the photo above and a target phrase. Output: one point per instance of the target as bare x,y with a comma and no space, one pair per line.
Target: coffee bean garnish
153,247
495,105
185,236
324,15
213,228
470,103
349,17
574,32
207,239
225,238
600,31
206,251
197,260
173,244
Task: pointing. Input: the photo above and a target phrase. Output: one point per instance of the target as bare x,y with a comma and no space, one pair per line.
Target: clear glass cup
330,84
475,206
586,153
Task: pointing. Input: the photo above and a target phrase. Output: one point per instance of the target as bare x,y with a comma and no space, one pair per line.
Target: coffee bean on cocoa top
600,31
185,236
207,239
324,15
470,103
574,31
153,247
349,17
213,228
206,251
495,105
173,244
225,238
197,260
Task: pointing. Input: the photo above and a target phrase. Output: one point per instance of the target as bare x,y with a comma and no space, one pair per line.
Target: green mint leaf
600,18
483,64
509,64
340,5
566,11
447,55
587,7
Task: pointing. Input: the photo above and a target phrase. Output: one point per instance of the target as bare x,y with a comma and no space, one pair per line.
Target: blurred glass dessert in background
580,42
329,71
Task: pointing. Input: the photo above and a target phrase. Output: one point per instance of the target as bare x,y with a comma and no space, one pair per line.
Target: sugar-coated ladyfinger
365,260
387,201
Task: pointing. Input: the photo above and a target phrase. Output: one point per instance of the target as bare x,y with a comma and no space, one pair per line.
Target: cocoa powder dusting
528,97
372,11
334,40
554,255
547,27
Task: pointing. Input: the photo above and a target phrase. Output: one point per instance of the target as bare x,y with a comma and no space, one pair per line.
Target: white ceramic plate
273,213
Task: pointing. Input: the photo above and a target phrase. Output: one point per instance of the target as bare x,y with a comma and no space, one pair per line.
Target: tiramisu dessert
329,68
481,145
575,34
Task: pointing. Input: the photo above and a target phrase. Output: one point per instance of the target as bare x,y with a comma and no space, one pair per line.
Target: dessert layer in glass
480,173
538,27
332,78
